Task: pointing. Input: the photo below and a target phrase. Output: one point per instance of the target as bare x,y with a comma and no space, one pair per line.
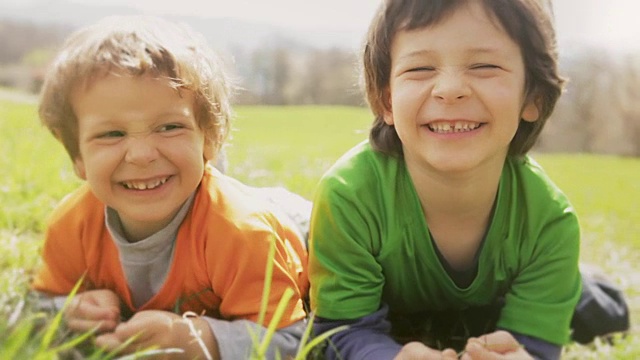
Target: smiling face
456,92
141,150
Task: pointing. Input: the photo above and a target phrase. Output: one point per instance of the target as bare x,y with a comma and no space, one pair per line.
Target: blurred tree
600,110
19,38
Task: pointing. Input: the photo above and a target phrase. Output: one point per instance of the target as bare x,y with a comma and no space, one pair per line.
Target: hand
419,351
94,309
499,345
160,330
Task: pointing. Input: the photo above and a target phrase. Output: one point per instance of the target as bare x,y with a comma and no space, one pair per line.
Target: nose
141,150
450,87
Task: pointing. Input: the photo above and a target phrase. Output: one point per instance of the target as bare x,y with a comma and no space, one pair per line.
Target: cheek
505,100
193,151
409,99
410,92
99,163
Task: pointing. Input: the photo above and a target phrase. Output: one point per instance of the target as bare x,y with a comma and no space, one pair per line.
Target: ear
530,111
79,169
387,114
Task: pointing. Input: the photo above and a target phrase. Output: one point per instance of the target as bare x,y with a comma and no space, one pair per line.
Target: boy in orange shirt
141,106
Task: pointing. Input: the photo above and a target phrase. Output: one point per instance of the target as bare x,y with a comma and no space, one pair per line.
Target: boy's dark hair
137,46
528,22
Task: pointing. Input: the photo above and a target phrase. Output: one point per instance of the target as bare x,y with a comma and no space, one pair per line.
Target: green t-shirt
370,244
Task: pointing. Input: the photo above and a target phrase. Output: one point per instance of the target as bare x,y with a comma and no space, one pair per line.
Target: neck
457,196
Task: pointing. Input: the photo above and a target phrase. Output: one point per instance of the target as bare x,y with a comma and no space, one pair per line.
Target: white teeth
140,185
458,126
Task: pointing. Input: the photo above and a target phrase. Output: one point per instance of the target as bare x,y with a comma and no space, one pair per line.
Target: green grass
604,192
292,147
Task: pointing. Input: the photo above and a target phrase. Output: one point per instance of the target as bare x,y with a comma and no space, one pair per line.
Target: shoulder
359,171
538,208
225,207
228,201
78,207
235,227
535,188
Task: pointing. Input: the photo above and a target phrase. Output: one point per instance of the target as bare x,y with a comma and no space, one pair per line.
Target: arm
65,264
222,339
66,249
545,291
236,268
162,330
348,225
93,310
538,348
341,260
366,338
235,338
545,284
346,279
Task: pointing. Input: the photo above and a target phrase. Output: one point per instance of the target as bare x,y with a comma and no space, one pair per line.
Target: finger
500,341
116,342
99,321
416,350
83,325
476,351
449,354
90,311
110,342
106,298
135,335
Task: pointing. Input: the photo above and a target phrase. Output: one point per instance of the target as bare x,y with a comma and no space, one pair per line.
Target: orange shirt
219,261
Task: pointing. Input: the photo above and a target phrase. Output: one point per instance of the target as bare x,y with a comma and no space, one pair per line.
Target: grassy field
292,147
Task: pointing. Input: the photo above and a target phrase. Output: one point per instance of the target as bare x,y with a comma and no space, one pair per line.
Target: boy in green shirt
440,231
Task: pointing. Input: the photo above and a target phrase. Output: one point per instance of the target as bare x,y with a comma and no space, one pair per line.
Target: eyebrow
472,51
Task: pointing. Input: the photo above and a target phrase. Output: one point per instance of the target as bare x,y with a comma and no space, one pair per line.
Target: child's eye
484,67
421,68
170,127
111,134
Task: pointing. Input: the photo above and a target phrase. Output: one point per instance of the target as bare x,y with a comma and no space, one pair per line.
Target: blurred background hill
287,52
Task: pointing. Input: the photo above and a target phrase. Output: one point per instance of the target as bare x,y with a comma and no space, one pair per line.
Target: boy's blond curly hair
136,46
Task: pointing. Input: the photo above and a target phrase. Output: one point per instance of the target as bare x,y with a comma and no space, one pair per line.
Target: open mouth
144,185
449,127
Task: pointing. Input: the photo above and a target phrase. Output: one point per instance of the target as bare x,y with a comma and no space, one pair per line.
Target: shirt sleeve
236,267
47,303
539,349
346,278
236,338
366,338
62,261
544,293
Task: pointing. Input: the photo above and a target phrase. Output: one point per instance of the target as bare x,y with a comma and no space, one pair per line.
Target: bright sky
604,22
341,14
613,23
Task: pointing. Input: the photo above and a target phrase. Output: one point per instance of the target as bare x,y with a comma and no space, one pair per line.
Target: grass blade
275,320
55,323
264,303
317,340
